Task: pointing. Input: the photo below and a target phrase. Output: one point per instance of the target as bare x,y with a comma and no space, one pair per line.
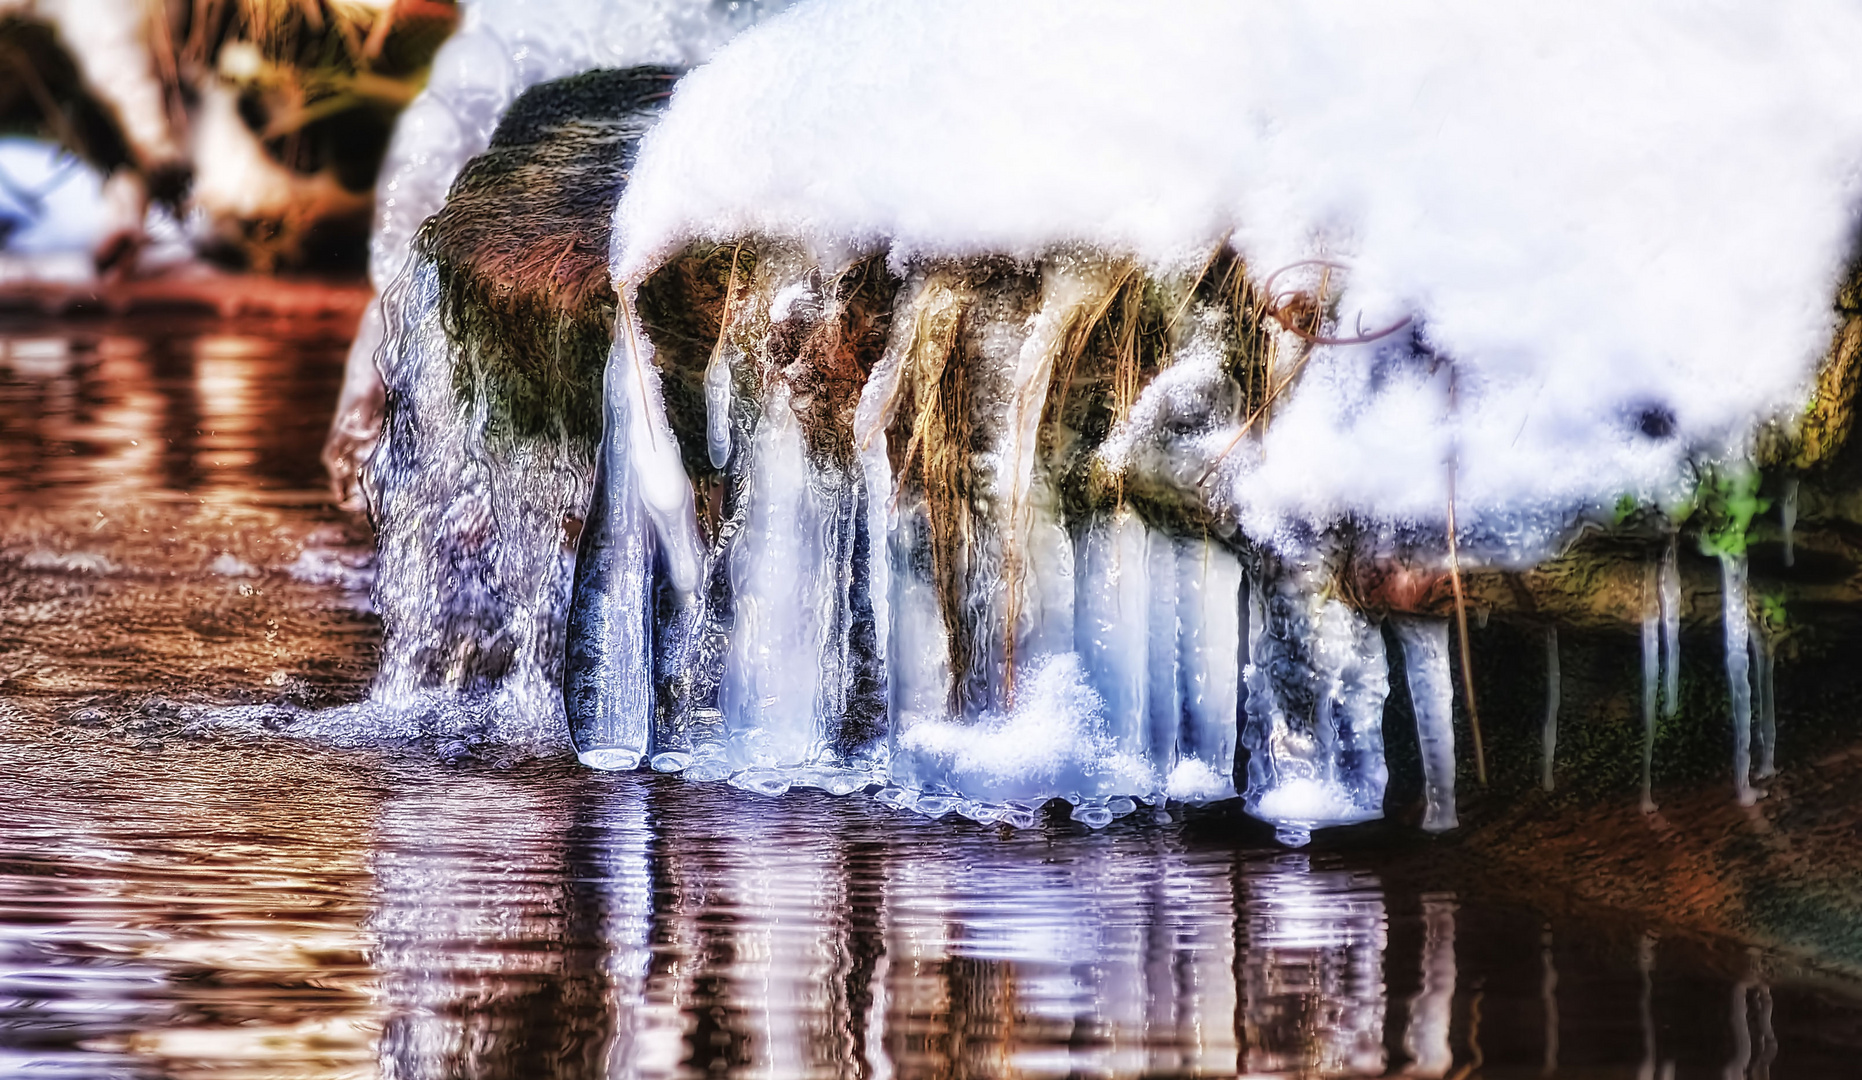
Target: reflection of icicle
1317,679
1669,590
1766,734
1738,661
1549,737
1645,963
1431,1011
1742,1032
1432,696
1787,514
1313,973
1768,1038
1651,676
1548,1000
607,676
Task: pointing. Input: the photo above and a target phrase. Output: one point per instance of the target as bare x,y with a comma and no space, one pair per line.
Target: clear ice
1317,679
1432,694
1733,613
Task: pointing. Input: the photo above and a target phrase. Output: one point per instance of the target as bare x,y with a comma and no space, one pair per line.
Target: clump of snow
1594,213
1053,740
1307,803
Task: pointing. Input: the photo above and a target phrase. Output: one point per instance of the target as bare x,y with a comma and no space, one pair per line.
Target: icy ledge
991,454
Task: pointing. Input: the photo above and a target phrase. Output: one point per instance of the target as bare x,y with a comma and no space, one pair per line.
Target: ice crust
1597,213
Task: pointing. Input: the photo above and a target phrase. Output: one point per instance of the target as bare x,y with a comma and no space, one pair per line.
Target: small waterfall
486,462
1651,677
1734,615
1432,695
474,565
1549,734
1317,679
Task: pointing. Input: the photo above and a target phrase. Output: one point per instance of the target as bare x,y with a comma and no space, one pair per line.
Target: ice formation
981,429
1734,617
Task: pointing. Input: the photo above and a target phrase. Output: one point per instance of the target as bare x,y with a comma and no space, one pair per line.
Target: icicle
770,685
1432,695
1111,628
1431,1011
1787,514
1164,710
1736,621
664,490
718,413
1669,590
1549,738
1209,630
1651,675
1762,670
607,674
1317,678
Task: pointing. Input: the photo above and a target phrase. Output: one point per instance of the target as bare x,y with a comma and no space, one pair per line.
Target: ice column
1209,593
608,676
1432,695
1111,628
1738,663
793,691
1317,679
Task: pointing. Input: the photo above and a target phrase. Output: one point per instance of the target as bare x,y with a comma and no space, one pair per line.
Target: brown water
182,897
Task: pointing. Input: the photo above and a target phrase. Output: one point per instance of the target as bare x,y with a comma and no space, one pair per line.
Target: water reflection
180,903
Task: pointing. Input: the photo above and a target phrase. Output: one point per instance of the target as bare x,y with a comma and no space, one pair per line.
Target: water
183,897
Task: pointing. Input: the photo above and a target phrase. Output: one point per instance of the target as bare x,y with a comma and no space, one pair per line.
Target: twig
1461,622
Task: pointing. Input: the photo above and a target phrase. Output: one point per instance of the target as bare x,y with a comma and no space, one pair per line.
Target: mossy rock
521,248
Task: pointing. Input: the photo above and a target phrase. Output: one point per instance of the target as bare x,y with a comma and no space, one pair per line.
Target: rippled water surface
183,898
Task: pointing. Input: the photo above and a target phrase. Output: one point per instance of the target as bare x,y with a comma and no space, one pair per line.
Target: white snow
1593,210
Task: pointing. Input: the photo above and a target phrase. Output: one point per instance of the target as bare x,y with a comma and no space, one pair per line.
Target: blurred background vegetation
314,85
